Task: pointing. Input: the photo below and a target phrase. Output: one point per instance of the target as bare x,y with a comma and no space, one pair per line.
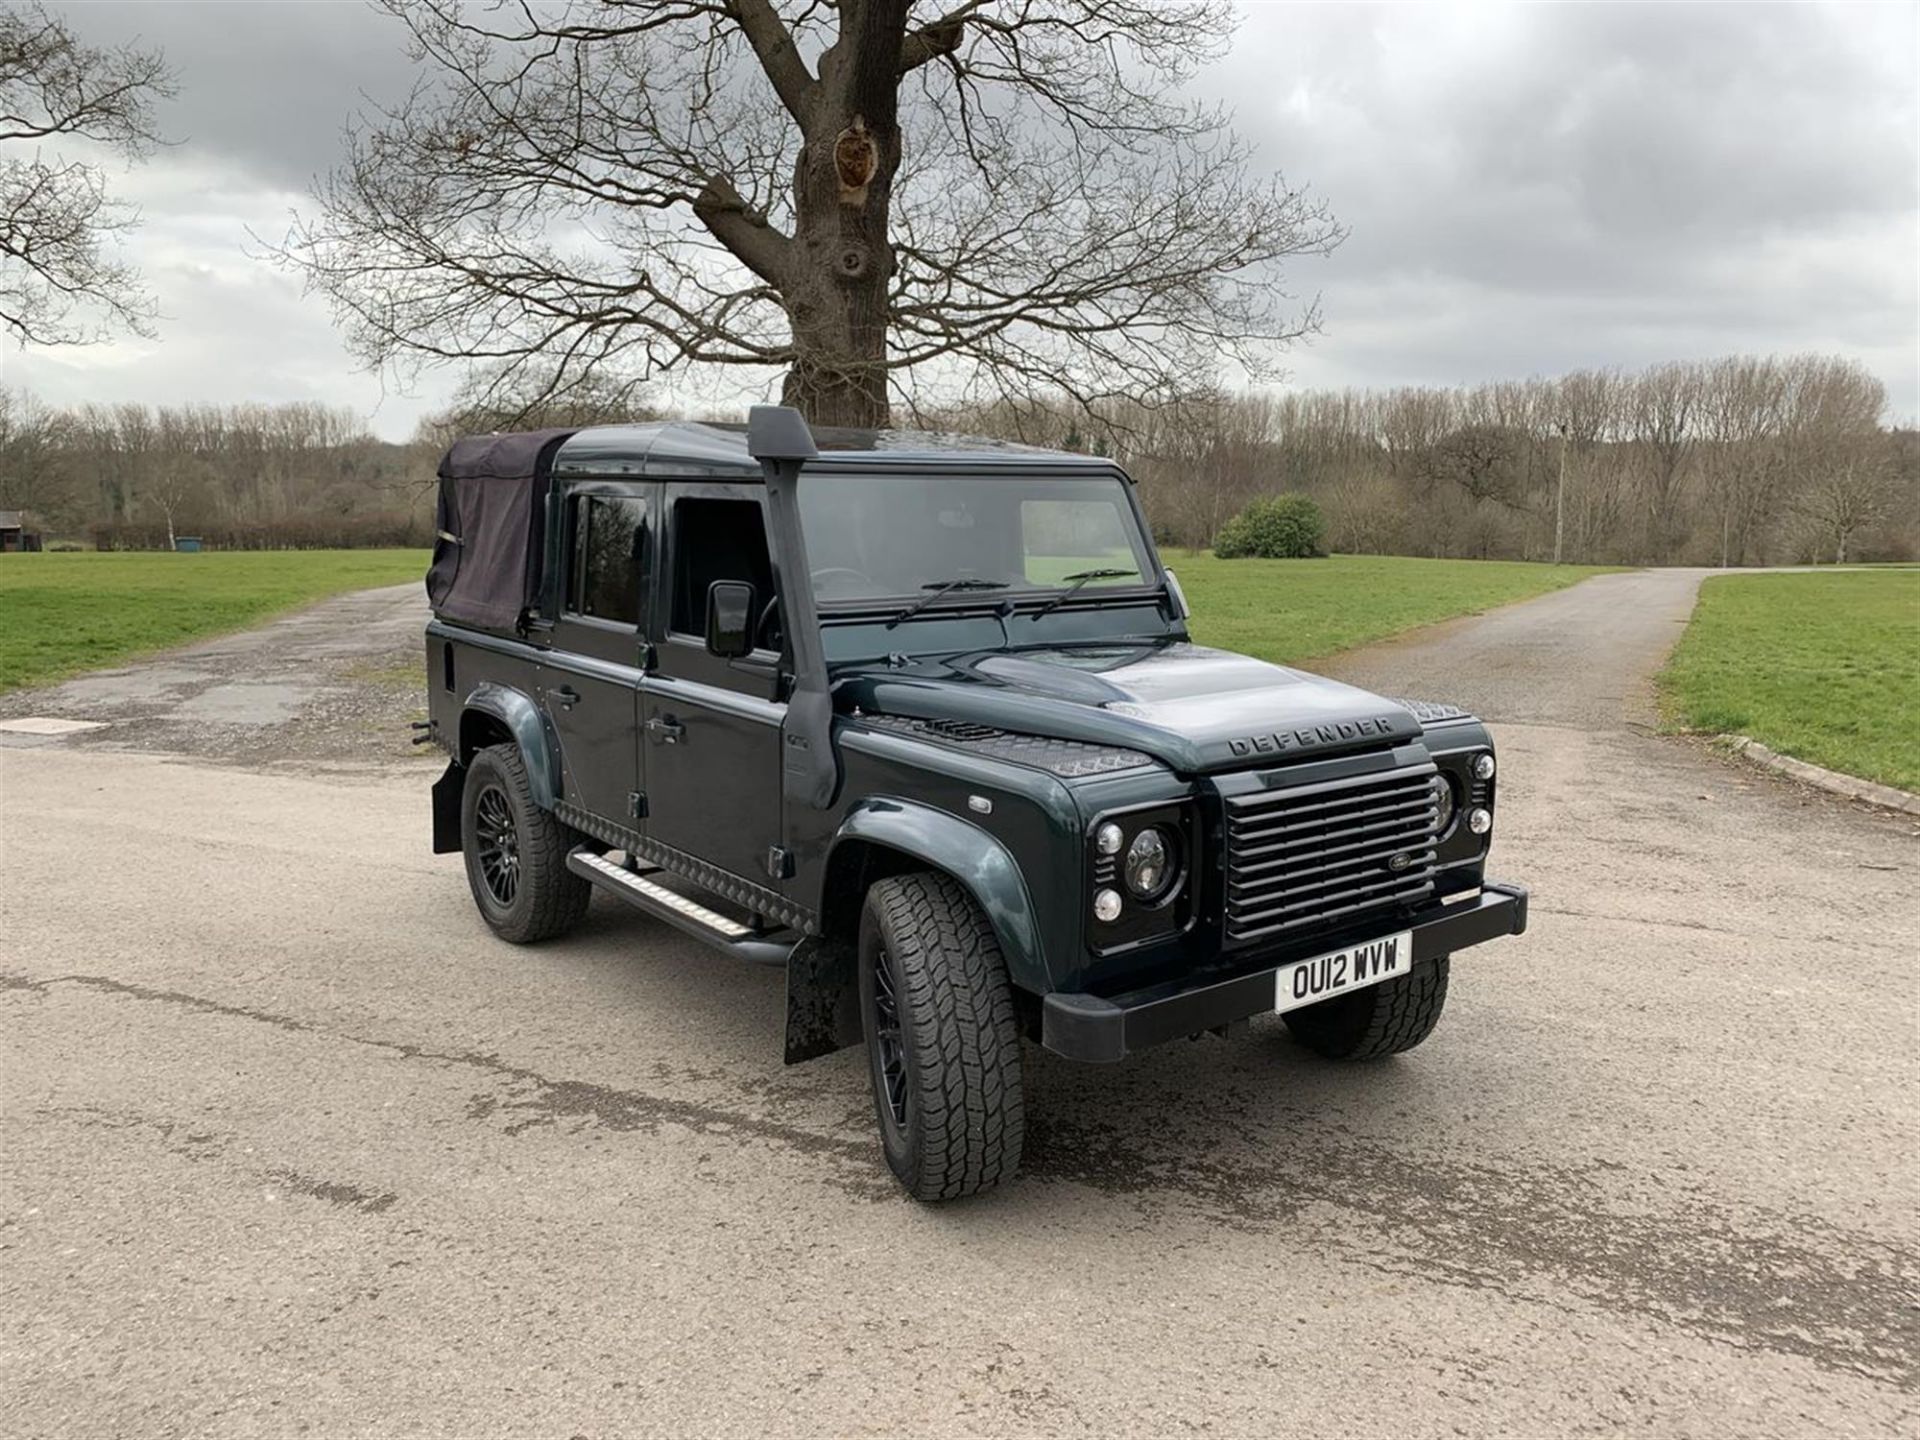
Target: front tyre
943,1045
516,852
1380,1020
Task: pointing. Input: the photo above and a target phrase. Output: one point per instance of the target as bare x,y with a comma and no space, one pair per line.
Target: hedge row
303,532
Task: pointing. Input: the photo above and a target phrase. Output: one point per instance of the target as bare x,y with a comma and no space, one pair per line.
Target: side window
607,575
716,540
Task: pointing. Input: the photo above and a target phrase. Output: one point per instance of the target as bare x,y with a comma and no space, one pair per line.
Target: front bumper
1100,1027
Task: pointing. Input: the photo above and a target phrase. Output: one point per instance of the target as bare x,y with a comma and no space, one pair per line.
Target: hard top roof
693,448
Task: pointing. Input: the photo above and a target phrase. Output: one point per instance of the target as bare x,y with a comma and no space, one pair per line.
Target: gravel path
1583,657
292,1145
336,683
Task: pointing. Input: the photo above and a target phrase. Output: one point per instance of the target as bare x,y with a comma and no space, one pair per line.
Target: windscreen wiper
1074,582
943,587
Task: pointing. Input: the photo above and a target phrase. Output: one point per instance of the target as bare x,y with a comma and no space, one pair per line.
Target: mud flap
823,1000
447,791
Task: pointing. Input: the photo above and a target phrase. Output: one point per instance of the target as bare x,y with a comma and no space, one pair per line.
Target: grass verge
64,613
1825,668
1293,610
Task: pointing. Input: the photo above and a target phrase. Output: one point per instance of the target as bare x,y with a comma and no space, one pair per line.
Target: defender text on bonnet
920,722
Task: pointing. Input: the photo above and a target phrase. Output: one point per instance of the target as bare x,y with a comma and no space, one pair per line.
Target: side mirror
730,606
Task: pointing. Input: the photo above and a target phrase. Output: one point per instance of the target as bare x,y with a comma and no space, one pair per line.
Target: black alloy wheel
516,852
890,1051
497,844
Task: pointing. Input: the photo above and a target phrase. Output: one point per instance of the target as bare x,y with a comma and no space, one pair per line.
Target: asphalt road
290,1145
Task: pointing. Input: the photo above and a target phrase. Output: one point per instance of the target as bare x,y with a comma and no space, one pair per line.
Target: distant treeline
295,476
1741,461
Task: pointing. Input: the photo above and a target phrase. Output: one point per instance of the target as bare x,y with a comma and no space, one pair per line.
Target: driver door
710,726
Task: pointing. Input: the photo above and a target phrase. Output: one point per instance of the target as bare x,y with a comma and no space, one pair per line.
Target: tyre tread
557,898
972,1114
1385,1019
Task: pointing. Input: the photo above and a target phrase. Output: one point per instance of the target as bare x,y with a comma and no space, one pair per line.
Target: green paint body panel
971,856
523,720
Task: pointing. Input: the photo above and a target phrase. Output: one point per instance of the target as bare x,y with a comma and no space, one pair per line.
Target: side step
720,931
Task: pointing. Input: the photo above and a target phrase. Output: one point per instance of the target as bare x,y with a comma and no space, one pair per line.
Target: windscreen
885,537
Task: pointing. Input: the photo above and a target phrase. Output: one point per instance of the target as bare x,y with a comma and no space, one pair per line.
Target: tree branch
938,38
743,230
773,43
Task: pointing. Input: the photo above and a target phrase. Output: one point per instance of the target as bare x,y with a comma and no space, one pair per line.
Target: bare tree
1851,490
1410,423
484,405
1741,401
61,282
31,471
1663,415
1586,411
1482,459
993,199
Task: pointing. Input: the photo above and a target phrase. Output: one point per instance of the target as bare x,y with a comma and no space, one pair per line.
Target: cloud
1551,187
264,91
1530,190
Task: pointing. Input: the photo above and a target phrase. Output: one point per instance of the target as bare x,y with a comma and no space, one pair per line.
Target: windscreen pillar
778,437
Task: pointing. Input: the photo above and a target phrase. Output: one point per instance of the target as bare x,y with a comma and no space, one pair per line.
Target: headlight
1151,869
1483,765
1444,805
1138,886
1480,821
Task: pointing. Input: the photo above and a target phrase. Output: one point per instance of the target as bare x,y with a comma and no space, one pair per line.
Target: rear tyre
516,852
943,1045
1380,1020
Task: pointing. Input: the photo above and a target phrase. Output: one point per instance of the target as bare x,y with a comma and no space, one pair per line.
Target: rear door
590,678
711,727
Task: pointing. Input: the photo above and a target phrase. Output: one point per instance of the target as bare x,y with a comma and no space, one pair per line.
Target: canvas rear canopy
491,528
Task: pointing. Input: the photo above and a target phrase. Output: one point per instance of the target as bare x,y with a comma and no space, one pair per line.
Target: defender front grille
1315,855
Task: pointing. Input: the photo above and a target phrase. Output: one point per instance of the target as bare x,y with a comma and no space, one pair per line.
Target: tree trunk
843,192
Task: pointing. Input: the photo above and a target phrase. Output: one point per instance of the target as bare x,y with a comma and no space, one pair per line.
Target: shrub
1283,527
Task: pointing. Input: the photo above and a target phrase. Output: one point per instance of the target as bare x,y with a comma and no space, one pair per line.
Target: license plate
1307,982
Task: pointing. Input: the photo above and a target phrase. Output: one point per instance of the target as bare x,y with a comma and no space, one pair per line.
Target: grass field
1825,668
1293,610
61,614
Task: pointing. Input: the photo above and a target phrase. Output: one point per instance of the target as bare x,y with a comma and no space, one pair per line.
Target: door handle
566,697
666,730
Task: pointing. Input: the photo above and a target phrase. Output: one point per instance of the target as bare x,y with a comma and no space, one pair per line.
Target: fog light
1479,821
1108,839
1106,905
1483,766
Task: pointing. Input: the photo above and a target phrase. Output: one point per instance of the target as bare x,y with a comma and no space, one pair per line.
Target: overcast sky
1530,190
